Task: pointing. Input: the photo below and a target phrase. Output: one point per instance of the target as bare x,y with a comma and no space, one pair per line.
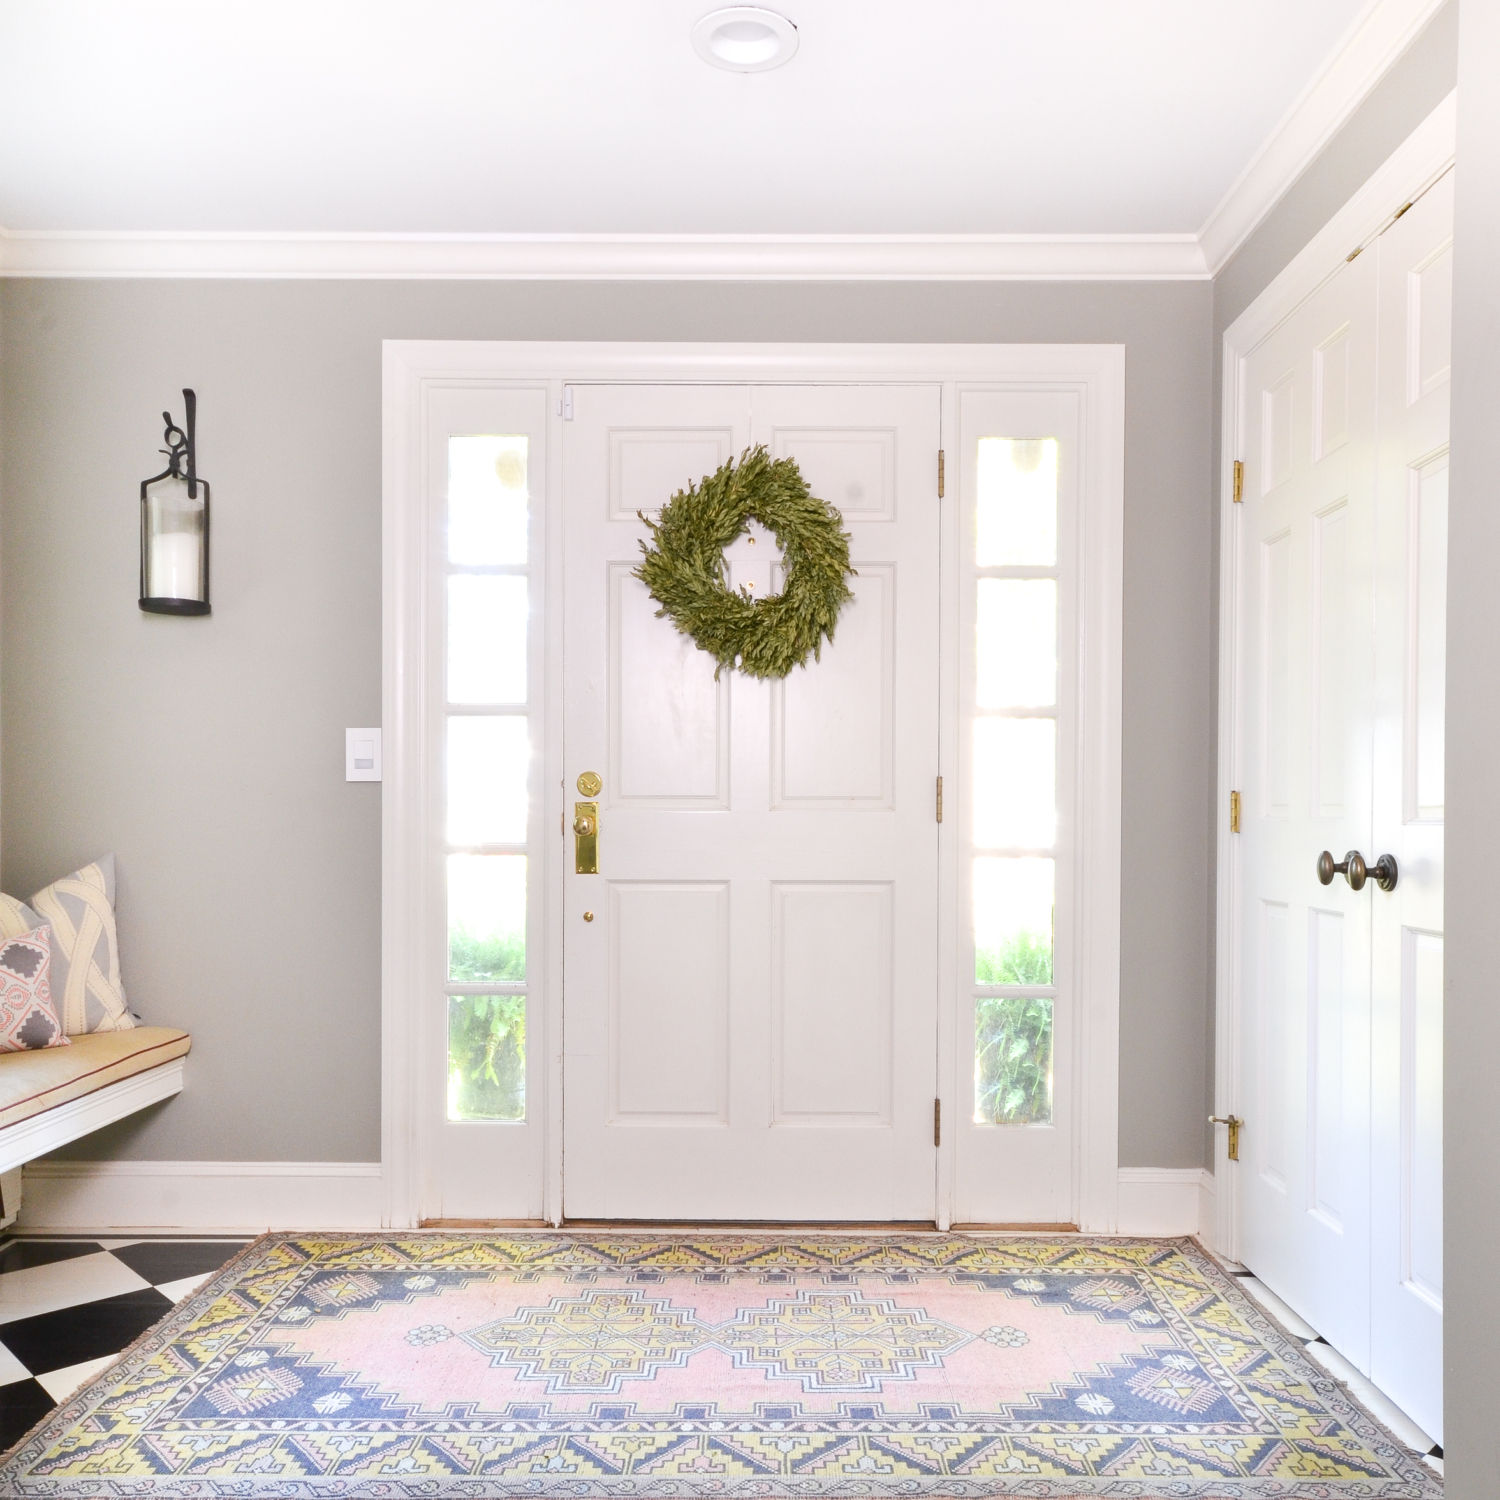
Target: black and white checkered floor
69,1307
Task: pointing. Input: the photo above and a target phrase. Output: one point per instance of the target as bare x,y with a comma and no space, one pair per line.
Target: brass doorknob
584,826
1354,869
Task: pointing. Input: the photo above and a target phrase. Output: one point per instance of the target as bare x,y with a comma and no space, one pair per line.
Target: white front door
1341,558
750,979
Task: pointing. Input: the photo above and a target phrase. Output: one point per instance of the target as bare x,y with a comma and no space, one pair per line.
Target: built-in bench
56,1094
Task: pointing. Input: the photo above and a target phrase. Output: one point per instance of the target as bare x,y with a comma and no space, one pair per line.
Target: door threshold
717,1226
802,1226
1015,1228
484,1224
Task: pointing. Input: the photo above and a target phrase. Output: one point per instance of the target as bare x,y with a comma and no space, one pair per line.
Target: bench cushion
31,1082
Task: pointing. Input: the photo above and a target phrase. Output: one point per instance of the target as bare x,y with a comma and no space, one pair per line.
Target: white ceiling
549,116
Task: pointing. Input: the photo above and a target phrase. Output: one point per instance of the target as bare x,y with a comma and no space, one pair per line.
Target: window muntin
487,762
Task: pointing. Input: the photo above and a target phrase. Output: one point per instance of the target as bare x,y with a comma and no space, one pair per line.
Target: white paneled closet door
1342,557
750,1006
1306,550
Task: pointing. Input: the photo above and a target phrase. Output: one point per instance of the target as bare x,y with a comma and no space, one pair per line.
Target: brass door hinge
1239,481
937,1122
940,473
1234,812
940,799
1233,1122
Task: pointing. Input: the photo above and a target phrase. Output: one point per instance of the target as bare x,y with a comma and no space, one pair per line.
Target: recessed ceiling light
744,39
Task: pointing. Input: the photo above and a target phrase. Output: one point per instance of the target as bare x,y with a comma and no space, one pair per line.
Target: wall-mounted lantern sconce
174,526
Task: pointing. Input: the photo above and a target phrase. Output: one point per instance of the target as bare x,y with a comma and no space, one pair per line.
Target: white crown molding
606,257
1367,54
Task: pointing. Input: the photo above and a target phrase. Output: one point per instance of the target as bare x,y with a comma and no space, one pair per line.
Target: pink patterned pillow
28,1019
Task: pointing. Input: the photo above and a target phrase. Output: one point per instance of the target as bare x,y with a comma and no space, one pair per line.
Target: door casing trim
413,368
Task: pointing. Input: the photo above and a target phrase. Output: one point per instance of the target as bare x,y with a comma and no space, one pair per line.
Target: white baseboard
218,1196
252,1196
1166,1201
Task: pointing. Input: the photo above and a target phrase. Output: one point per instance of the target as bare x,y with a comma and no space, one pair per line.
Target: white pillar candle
175,561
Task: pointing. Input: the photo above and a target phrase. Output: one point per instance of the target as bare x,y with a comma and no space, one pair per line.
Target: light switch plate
361,755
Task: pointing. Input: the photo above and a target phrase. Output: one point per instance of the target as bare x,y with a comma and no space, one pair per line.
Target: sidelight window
1014,784
487,759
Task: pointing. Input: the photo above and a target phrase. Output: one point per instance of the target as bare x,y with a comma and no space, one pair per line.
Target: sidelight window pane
486,1057
1012,1060
1016,643
1013,921
486,918
1015,783
1017,503
486,638
487,766
486,500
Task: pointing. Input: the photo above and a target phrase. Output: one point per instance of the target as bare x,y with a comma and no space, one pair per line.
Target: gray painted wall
208,754
1472,1044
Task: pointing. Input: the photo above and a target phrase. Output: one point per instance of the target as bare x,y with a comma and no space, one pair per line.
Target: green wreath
685,569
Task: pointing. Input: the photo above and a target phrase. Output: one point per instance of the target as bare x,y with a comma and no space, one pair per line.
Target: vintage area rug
437,1365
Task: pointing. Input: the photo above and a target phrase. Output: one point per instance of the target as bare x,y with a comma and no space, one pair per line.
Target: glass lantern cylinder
174,547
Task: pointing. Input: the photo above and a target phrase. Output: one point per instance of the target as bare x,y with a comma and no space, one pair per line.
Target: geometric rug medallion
438,1365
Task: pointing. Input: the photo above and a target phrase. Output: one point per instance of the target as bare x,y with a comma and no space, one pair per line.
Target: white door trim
1410,170
1095,372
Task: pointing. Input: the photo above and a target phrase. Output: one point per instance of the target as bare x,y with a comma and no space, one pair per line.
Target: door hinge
1239,481
1233,1122
565,406
940,799
937,1122
1234,812
940,473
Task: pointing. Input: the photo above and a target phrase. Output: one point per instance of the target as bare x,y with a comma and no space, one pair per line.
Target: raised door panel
668,1002
831,1003
852,468
669,714
648,464
833,730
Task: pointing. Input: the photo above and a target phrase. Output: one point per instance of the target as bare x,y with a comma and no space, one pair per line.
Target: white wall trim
1165,1200
1410,170
606,257
27,1139
234,1196
414,368
1367,54
1423,157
